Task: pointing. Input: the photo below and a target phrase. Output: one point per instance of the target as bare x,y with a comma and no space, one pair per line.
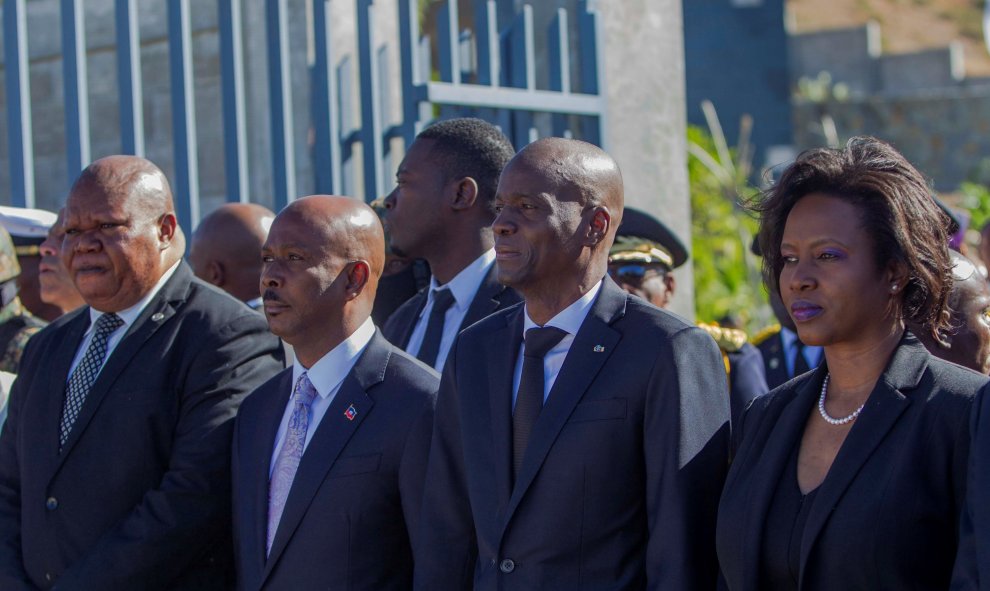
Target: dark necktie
85,374
529,398
442,301
800,363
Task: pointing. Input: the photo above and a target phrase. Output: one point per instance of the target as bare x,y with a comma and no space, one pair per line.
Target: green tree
726,273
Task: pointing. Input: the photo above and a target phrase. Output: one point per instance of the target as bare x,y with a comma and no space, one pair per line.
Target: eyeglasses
634,274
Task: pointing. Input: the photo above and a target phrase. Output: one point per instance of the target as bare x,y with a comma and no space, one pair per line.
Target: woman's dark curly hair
898,210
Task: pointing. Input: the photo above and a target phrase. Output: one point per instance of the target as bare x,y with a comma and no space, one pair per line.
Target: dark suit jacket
491,297
972,570
139,497
356,496
774,362
747,379
886,515
620,482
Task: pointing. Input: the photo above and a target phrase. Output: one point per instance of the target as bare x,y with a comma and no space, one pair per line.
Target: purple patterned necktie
288,458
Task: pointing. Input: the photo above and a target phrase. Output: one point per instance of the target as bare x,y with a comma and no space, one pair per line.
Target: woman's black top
784,526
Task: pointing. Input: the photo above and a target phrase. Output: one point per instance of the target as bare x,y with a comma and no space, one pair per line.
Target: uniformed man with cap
28,228
642,261
16,323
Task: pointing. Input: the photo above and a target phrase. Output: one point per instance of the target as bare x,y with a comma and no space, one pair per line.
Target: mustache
270,296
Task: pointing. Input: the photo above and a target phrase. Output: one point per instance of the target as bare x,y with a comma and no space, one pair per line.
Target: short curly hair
470,147
897,207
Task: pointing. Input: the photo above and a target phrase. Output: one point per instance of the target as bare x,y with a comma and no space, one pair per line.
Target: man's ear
465,193
598,225
215,274
166,229
357,279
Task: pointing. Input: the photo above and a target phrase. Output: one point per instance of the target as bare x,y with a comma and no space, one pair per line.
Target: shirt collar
329,371
131,314
788,337
466,283
570,318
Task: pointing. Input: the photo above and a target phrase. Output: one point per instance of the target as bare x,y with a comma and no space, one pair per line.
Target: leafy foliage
726,273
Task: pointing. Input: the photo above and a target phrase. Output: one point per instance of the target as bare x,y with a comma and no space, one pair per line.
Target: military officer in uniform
16,323
642,260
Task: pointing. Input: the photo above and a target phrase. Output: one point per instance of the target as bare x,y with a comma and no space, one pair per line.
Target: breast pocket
599,410
352,465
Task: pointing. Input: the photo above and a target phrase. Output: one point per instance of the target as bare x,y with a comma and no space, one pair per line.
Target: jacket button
507,566
51,503
48,577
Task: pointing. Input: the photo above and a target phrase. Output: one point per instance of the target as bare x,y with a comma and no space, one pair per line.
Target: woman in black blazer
852,476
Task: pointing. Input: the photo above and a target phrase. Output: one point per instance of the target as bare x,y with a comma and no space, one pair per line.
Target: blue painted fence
488,71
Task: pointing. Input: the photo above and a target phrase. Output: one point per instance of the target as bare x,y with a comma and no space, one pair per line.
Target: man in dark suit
440,211
115,458
581,439
330,455
641,262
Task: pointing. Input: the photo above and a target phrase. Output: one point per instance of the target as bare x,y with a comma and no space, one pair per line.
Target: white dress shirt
568,320
812,354
327,374
128,316
463,287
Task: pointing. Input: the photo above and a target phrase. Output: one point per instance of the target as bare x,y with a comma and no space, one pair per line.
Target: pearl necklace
829,418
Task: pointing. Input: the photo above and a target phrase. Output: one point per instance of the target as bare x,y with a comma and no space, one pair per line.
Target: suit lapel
502,350
410,324
158,311
331,436
584,360
784,433
260,455
486,300
56,383
884,406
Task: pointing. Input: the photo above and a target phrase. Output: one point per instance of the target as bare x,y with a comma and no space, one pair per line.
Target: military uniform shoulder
765,334
729,340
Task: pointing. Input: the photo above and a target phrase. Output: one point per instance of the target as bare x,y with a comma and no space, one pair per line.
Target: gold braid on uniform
765,334
729,340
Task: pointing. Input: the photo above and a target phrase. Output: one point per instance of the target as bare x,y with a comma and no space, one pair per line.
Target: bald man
226,249
581,438
115,457
330,455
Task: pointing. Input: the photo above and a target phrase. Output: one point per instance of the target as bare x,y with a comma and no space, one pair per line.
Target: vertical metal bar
280,97
20,144
129,77
410,65
486,30
75,88
522,72
385,109
560,66
591,70
345,94
326,152
183,113
232,92
371,126
448,46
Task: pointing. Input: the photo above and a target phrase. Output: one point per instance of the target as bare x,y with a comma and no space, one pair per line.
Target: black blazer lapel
409,323
487,299
332,435
884,406
158,311
593,345
784,433
57,380
260,454
502,349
